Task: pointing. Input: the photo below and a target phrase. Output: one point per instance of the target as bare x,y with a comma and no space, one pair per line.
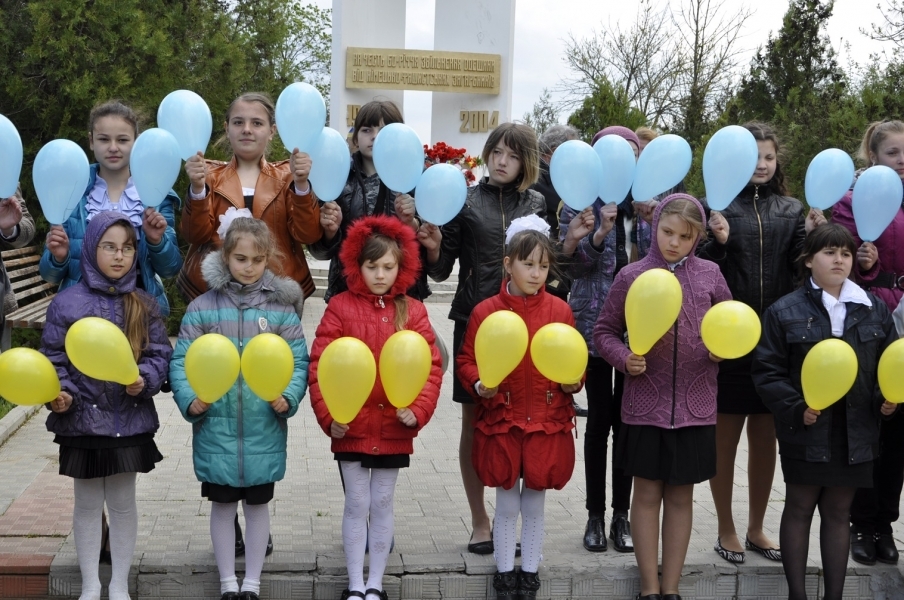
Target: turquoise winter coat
241,441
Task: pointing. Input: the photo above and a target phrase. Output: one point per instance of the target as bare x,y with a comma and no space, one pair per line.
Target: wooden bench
33,294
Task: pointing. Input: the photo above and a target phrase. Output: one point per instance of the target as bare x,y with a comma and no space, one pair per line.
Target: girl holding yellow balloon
816,369
669,400
105,429
524,419
373,421
240,431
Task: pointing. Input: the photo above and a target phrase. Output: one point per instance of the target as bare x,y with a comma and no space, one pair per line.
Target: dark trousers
875,509
603,415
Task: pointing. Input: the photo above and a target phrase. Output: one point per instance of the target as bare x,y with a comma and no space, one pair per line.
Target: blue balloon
661,166
11,153
185,115
329,165
300,116
876,201
155,165
729,162
440,193
60,175
575,170
829,177
618,165
399,157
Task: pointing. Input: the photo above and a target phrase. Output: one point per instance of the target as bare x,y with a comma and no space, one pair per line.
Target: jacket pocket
559,408
495,410
642,398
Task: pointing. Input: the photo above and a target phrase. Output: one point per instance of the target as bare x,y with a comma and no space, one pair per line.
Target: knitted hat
620,131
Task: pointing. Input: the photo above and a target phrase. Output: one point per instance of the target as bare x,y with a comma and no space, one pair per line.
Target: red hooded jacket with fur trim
370,318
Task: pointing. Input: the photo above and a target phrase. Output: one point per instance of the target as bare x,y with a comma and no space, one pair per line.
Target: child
476,237
240,442
755,242
106,430
669,400
364,195
523,425
826,455
379,260
112,129
277,193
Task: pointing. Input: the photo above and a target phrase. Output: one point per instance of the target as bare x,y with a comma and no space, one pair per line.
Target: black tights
834,541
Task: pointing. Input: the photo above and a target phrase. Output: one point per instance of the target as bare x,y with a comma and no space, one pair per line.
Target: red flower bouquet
441,153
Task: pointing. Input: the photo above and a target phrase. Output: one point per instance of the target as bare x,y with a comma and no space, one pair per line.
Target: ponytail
136,319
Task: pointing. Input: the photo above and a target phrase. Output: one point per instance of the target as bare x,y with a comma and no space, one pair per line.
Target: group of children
522,428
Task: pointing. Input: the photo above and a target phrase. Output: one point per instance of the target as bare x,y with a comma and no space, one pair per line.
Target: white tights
222,534
367,491
509,503
118,491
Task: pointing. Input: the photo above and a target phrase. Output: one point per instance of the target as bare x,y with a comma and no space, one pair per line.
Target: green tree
606,106
544,113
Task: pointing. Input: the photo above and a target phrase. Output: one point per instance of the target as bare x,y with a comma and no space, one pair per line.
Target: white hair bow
229,216
528,223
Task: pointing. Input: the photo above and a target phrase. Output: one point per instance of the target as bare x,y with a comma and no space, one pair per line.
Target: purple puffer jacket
678,388
99,407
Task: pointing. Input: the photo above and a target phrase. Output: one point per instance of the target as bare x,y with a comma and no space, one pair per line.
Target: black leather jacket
791,327
765,236
476,237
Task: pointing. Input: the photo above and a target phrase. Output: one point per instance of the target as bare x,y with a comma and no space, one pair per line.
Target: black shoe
269,546
381,594
648,597
528,584
770,553
579,411
886,551
231,596
506,585
620,534
671,597
729,555
481,547
347,593
239,541
249,596
595,535
863,548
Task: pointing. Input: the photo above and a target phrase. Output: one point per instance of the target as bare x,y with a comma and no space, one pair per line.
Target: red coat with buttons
525,429
370,318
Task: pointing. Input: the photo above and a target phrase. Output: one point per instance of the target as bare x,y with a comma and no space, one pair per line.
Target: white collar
850,292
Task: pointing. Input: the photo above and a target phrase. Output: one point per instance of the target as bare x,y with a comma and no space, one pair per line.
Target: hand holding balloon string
406,417
135,388
62,403
571,388
330,219
198,407
300,165
867,255
280,405
337,430
608,214
810,416
58,243
718,224
405,210
486,392
10,215
196,169
815,218
431,237
154,226
635,365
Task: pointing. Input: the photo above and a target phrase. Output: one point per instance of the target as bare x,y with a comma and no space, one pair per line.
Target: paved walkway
175,559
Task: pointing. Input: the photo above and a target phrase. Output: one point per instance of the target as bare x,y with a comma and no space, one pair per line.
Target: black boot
863,546
886,551
506,585
528,584
595,534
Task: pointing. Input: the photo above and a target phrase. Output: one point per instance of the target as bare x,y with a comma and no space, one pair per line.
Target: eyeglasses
111,250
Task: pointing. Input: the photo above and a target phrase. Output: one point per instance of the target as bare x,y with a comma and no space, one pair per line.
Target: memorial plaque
424,70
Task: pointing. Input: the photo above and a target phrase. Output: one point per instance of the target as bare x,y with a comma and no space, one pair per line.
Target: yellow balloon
404,367
499,346
27,377
651,308
346,373
211,366
267,365
730,329
99,349
828,373
891,372
559,352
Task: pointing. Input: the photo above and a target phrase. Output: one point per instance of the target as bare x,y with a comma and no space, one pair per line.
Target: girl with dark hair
826,454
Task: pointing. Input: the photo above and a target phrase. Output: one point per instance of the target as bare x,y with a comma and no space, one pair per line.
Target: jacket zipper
528,376
239,428
674,373
756,209
502,210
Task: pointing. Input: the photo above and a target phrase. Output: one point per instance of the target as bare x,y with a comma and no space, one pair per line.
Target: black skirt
226,494
674,456
88,457
380,461
736,394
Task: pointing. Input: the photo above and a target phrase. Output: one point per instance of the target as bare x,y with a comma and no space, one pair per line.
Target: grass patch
5,407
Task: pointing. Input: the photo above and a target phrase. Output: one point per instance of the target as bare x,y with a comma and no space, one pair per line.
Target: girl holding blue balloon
277,193
880,268
112,131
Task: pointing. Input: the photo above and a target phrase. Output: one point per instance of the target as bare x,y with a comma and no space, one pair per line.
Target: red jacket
360,314
526,427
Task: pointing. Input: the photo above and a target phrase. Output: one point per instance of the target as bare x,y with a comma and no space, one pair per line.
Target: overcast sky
542,25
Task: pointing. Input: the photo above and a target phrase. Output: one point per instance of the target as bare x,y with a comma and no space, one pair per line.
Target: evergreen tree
604,107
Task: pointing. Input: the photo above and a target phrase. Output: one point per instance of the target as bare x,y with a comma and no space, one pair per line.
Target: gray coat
24,234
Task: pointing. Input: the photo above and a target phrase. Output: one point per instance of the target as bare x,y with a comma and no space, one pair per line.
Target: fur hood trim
356,237
283,290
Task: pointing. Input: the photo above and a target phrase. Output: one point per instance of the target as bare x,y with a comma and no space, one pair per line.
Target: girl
599,241
669,402
112,129
240,442
106,430
277,193
476,237
828,454
879,266
364,195
755,242
379,261
523,425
